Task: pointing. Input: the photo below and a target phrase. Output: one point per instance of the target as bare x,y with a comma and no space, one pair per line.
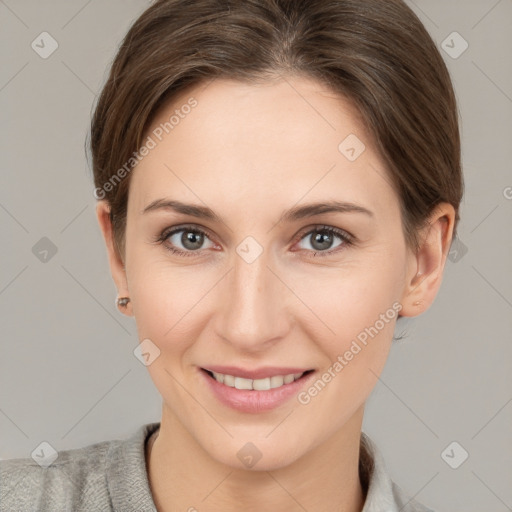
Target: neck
182,475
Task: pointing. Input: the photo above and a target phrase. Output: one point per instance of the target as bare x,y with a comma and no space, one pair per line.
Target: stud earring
122,301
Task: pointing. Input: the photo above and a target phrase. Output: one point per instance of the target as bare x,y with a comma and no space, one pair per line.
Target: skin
250,152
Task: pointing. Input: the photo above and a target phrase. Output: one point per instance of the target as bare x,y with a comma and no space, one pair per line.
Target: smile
256,384
267,390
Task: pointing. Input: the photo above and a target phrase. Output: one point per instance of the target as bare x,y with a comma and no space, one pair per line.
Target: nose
254,310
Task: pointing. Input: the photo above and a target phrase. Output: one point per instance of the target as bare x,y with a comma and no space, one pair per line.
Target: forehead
276,141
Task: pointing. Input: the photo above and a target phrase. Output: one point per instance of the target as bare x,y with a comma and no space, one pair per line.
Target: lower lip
252,401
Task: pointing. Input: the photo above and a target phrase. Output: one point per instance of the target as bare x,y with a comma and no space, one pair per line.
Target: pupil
193,239
322,238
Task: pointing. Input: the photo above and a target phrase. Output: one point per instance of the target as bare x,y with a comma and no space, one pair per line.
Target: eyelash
348,239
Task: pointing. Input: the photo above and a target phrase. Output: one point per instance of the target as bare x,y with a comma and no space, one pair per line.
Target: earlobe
425,277
116,264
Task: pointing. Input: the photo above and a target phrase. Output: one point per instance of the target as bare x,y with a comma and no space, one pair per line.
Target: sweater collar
126,472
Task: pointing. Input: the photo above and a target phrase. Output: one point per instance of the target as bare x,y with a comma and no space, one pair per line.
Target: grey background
68,374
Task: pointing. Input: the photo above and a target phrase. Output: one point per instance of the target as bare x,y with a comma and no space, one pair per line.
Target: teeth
261,384
258,384
229,380
289,378
219,377
241,383
277,381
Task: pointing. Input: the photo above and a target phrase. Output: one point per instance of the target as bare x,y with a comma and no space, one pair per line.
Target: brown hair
375,53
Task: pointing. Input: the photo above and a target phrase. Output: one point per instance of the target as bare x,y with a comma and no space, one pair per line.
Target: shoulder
74,475
406,503
105,476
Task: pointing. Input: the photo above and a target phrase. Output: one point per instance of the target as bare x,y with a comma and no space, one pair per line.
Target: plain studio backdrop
441,412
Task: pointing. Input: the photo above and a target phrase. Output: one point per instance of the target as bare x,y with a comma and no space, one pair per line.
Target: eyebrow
296,213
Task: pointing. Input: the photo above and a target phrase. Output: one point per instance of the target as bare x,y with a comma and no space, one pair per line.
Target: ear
426,265
117,268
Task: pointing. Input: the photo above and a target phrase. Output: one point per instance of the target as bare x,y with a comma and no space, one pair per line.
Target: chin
260,454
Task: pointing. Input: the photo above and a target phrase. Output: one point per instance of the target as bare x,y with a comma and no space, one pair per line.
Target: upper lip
258,373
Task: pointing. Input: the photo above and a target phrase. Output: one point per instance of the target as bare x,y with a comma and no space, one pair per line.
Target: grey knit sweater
112,476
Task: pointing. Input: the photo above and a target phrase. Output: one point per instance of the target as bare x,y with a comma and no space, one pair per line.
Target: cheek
352,301
164,304
164,309
161,297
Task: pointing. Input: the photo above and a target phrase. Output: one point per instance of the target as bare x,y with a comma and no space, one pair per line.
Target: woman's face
256,288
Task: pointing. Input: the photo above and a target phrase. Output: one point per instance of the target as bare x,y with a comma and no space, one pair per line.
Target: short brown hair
376,53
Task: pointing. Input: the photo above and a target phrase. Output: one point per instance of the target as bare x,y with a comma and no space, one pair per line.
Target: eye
188,237
322,239
189,240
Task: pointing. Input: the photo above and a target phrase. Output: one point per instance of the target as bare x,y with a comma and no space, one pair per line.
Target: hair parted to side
375,53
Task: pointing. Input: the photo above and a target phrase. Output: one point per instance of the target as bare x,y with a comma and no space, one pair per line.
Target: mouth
262,384
271,389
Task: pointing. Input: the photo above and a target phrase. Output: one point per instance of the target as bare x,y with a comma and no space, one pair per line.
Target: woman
278,182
